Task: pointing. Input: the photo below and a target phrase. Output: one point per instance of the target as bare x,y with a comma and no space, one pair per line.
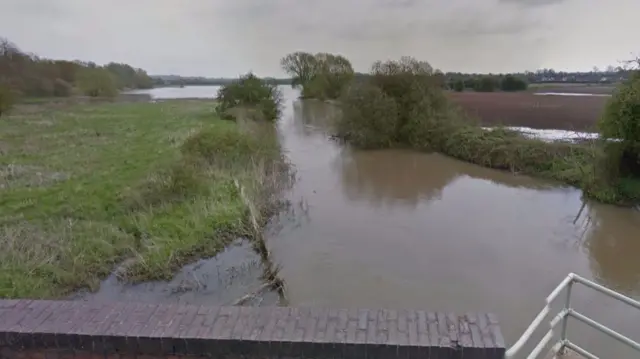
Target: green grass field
85,187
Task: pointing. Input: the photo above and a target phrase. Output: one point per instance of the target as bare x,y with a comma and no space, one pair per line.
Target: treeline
24,74
596,76
473,82
175,80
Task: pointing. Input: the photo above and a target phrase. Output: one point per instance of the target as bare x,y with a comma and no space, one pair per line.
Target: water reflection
314,117
394,177
404,176
237,273
612,241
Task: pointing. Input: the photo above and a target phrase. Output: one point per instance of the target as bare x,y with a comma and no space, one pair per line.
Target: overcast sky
229,37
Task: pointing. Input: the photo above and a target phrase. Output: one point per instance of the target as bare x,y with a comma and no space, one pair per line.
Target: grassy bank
88,186
577,164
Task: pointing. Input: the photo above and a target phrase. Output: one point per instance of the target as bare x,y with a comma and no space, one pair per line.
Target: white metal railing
562,318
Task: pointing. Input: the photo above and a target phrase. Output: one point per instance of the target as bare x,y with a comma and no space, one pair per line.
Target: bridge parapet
71,329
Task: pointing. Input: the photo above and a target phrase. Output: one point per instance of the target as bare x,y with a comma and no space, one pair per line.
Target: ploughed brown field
578,113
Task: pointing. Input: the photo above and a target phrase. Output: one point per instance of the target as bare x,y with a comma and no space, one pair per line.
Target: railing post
567,306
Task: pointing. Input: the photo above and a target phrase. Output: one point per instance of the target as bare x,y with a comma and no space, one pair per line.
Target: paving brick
267,331
372,324
126,329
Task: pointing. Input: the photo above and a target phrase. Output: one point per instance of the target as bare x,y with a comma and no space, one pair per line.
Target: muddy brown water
400,229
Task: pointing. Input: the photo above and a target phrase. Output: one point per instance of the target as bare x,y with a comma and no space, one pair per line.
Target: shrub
369,117
470,83
97,82
486,84
512,83
219,145
401,103
61,88
6,99
415,90
229,146
251,92
458,86
621,121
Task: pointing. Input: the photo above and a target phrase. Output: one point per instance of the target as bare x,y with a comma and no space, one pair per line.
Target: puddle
233,277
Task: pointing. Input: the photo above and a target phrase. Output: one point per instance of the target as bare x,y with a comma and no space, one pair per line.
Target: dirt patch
578,113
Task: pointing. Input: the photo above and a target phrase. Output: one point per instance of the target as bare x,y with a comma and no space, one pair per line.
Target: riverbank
89,187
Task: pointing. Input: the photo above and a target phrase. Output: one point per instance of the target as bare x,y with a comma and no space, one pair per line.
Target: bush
458,86
486,84
6,99
470,83
219,145
400,104
512,83
415,90
621,121
228,146
61,88
369,117
97,82
250,92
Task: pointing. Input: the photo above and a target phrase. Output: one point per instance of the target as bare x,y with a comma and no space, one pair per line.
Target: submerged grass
150,182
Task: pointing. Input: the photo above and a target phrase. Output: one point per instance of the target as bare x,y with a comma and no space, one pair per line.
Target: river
400,229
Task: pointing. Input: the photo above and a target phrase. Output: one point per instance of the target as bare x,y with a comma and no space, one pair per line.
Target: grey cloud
532,3
397,3
474,28
222,37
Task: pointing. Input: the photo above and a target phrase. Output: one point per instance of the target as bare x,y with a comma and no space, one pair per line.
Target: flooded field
235,276
400,229
540,110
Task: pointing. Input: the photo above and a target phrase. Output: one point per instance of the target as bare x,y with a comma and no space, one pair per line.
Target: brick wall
59,329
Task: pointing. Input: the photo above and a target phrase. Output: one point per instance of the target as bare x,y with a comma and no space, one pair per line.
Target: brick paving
109,329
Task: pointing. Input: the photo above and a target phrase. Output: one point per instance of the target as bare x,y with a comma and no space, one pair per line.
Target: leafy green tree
512,83
301,66
621,123
400,103
322,75
369,118
470,83
141,80
252,93
97,82
486,84
62,88
440,78
129,77
458,85
67,70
